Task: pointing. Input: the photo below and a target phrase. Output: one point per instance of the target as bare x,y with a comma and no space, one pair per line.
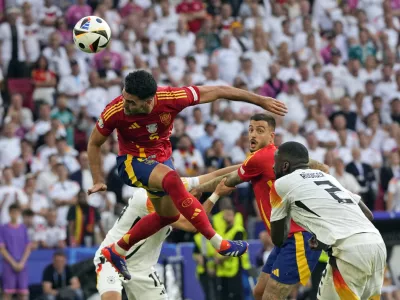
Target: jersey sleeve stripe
171,93
115,106
301,259
172,98
113,113
112,109
195,96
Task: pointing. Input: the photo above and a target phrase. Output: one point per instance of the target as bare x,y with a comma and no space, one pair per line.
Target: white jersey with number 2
320,204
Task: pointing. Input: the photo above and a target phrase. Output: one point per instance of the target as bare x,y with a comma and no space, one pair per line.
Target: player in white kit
141,259
339,221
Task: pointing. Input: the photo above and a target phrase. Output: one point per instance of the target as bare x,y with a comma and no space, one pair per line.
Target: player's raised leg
163,177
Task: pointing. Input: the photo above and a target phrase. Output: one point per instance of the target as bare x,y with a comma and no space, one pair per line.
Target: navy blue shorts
294,261
136,171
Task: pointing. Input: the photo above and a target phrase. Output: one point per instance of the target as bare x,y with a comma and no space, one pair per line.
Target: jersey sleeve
250,168
107,121
279,200
180,98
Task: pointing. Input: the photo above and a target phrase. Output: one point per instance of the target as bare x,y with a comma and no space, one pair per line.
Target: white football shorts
144,285
357,271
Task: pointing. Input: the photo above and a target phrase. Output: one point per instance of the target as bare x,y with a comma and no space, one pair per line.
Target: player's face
281,167
260,135
133,105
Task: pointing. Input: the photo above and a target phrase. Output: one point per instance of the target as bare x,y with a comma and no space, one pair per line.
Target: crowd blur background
335,64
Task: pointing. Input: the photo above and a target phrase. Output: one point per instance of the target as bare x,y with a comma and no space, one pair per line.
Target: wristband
214,198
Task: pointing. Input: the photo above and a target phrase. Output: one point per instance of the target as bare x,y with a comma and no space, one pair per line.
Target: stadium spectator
205,141
38,203
203,255
52,235
83,219
188,160
365,177
266,249
346,179
27,220
59,281
229,270
392,169
9,195
44,80
16,109
63,194
15,249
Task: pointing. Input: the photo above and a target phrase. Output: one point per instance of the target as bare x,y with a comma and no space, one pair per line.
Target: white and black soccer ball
91,34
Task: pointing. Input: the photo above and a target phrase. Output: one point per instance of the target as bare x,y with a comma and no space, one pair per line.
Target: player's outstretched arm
221,172
232,180
313,164
221,190
212,93
96,140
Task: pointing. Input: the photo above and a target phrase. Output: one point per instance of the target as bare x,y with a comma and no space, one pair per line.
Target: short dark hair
28,213
59,253
266,118
294,152
14,207
141,84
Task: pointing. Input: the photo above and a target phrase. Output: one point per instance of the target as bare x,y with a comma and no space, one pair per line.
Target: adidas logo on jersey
276,272
134,126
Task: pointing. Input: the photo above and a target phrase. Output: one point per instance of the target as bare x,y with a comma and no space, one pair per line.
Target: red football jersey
188,7
258,168
147,135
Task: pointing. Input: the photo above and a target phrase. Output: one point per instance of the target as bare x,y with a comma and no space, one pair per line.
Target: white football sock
216,241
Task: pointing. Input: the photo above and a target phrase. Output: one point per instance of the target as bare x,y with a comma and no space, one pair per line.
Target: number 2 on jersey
332,190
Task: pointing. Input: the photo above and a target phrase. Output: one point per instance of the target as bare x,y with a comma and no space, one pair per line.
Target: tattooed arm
232,179
313,164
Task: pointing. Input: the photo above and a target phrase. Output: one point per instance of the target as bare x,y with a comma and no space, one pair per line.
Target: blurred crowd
335,64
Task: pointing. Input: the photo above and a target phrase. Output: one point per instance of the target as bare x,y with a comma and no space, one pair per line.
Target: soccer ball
91,34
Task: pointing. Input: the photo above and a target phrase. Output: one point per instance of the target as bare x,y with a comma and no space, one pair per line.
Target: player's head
261,131
138,93
290,156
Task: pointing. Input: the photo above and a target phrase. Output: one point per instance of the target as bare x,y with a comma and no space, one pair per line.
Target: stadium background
334,63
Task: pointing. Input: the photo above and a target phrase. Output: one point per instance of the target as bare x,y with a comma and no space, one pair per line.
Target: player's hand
195,192
19,267
274,106
313,243
222,189
98,187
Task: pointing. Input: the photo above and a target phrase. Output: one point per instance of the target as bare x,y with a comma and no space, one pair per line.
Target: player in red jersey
294,261
143,116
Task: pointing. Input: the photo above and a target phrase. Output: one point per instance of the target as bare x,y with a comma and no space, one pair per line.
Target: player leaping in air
143,117
339,221
293,263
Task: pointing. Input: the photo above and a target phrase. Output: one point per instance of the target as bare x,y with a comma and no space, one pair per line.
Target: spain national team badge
165,118
152,128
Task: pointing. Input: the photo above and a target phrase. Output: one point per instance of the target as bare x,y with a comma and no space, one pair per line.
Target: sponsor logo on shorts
276,272
166,118
111,279
100,122
187,202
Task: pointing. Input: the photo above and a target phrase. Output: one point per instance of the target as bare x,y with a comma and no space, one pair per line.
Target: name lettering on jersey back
312,175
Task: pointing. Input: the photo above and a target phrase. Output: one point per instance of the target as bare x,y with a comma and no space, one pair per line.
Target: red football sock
147,226
187,204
